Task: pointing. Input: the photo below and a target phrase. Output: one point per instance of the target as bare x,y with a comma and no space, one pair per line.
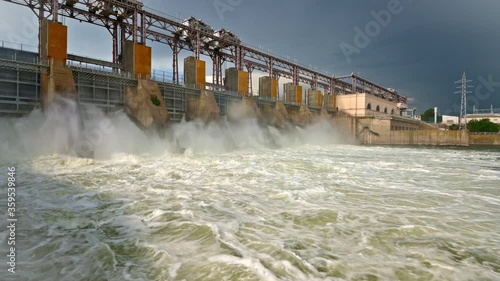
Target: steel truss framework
129,20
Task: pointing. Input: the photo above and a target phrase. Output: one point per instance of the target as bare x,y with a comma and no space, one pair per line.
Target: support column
314,84
250,86
59,81
293,93
216,68
137,60
143,29
237,58
144,103
221,64
314,98
295,75
194,73
237,81
270,65
354,85
197,46
134,27
174,45
41,17
268,87
55,10
114,34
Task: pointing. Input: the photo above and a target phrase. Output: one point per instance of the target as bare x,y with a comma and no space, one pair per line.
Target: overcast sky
421,50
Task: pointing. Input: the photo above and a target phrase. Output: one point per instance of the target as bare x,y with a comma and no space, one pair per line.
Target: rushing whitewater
241,202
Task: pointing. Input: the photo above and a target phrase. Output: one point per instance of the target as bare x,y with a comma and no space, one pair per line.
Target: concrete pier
237,81
58,81
137,60
300,116
276,115
145,105
314,98
245,109
203,107
330,102
268,87
293,93
194,73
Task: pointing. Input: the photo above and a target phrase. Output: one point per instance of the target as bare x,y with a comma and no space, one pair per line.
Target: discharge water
239,202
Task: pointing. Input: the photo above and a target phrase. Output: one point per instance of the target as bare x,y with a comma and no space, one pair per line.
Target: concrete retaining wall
484,139
59,82
425,137
345,126
203,107
245,109
276,115
301,117
140,107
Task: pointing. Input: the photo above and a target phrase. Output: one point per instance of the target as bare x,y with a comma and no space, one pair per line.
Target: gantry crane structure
131,20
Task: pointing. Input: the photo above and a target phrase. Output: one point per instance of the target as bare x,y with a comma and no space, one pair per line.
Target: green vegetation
483,126
454,127
155,100
428,115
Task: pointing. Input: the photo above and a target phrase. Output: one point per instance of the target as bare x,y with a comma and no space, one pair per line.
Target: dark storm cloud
421,51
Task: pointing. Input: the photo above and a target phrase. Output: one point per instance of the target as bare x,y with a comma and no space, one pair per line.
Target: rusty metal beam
155,27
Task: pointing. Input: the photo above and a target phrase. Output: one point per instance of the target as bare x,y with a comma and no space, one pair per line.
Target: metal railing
18,46
486,111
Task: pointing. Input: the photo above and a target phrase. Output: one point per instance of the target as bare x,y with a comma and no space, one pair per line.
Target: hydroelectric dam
360,110
207,177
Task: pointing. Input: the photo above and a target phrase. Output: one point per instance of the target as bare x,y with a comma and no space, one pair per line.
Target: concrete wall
484,139
203,107
401,124
346,127
268,87
237,81
194,73
330,102
351,104
314,98
140,107
292,93
377,131
276,115
137,59
246,108
59,80
357,105
301,116
431,137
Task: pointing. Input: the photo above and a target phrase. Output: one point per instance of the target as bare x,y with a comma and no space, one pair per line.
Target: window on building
392,112
385,110
369,106
378,108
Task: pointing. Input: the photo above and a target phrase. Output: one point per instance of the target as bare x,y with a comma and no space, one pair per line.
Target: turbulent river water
309,209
